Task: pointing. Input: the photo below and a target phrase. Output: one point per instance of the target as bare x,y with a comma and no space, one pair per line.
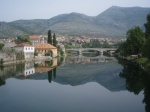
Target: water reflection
137,80
72,71
83,59
28,69
110,89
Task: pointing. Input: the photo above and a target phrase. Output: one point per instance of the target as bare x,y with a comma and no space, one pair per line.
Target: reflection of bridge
101,50
83,59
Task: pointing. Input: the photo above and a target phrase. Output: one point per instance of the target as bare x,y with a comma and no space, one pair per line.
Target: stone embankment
12,62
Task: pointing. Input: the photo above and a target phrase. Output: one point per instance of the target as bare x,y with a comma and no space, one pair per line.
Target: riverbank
143,61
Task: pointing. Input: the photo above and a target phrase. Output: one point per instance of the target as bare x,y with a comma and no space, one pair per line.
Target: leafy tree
135,40
49,38
23,39
134,43
106,45
54,40
123,49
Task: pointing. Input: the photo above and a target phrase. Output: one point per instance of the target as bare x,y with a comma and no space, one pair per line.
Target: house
45,49
27,49
37,39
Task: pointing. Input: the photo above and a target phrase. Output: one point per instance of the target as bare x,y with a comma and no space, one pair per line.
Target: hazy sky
11,10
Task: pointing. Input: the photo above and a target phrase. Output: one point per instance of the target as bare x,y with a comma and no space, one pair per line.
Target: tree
23,39
54,40
134,43
146,48
147,27
135,40
123,49
1,46
49,38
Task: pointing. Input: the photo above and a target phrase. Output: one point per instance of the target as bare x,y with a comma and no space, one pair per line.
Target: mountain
113,22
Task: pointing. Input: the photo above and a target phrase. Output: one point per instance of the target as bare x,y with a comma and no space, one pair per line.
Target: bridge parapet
101,50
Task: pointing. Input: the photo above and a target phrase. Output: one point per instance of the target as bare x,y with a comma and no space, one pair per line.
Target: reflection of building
37,39
27,69
45,66
43,49
27,49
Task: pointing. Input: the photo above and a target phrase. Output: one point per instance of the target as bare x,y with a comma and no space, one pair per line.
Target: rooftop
34,37
44,45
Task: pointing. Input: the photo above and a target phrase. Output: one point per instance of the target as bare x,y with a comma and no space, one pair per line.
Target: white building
28,52
27,49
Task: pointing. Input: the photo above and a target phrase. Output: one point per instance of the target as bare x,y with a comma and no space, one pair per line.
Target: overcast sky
11,10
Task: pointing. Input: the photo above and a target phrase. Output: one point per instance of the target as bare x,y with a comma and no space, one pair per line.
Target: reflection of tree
20,67
132,74
51,74
60,61
146,99
54,72
1,67
2,82
137,80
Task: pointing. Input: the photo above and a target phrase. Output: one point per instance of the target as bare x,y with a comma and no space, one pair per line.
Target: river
75,84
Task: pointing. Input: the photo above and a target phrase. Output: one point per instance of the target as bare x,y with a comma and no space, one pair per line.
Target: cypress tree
146,48
54,40
147,27
49,37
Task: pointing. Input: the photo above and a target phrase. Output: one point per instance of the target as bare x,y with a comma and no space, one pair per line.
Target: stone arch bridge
100,50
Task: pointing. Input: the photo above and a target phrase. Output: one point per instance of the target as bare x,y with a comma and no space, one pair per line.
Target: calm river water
75,84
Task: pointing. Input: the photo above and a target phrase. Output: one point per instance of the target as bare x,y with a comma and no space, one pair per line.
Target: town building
45,49
27,49
37,39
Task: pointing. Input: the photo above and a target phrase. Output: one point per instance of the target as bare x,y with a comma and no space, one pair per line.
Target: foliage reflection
137,79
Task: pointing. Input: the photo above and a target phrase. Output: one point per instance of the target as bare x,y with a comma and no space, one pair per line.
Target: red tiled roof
34,37
44,45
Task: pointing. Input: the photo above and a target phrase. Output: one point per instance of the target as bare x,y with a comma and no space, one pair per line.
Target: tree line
137,42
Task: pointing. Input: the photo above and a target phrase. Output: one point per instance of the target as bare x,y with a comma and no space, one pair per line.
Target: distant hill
114,22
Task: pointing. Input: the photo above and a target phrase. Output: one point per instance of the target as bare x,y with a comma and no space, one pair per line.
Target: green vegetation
54,40
23,39
137,44
50,38
1,61
134,43
143,61
49,53
146,48
1,46
20,56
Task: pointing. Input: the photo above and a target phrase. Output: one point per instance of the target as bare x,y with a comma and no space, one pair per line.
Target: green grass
144,61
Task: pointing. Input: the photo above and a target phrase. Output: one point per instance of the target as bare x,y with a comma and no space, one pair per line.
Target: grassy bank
143,61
